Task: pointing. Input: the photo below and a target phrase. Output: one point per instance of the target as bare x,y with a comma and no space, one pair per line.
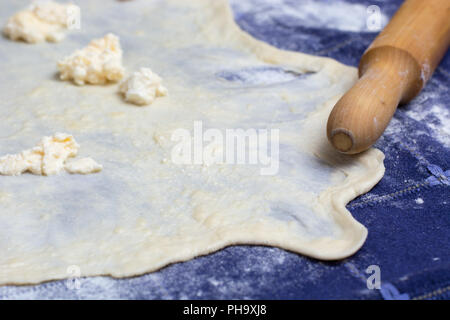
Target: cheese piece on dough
142,87
56,150
41,21
83,166
16,164
48,158
98,63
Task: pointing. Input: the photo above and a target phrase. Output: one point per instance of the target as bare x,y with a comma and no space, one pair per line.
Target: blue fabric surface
407,213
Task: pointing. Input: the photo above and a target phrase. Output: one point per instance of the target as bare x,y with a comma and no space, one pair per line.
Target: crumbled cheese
83,166
41,21
15,164
142,87
47,158
98,63
57,150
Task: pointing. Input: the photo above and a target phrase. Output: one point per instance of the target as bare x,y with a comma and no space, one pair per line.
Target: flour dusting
324,14
437,119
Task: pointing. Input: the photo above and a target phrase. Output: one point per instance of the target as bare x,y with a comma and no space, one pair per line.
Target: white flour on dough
145,211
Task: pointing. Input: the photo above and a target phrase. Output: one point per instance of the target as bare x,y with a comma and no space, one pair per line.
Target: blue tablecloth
407,213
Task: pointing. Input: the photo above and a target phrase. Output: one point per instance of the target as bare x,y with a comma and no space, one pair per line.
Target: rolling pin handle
393,70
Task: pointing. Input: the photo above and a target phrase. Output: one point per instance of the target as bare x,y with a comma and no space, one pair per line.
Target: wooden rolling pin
393,70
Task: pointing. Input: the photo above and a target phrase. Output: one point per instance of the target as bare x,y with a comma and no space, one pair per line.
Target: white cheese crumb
98,63
47,158
56,150
41,21
83,166
142,87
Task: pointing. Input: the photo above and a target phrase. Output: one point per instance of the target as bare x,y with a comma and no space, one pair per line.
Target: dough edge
370,173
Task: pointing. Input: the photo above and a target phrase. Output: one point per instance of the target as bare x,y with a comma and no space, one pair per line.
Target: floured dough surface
144,211
41,21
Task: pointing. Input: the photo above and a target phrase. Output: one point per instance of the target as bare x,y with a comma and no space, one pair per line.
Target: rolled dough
143,211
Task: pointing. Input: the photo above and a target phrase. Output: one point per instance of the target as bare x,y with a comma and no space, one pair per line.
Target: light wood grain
393,70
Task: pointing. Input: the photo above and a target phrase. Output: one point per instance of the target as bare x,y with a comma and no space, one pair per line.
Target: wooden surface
393,70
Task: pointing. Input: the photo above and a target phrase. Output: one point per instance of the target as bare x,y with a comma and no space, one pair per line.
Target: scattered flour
437,119
339,15
259,76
